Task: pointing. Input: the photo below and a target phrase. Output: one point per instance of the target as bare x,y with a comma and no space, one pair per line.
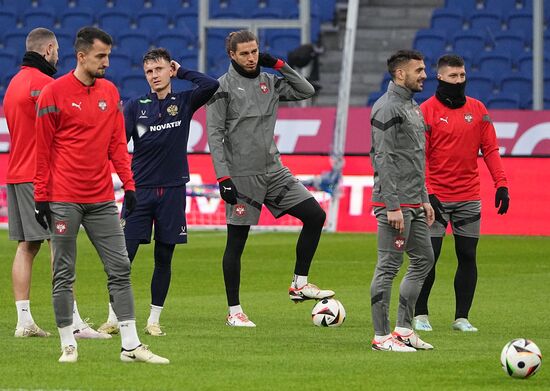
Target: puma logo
77,105
226,188
446,119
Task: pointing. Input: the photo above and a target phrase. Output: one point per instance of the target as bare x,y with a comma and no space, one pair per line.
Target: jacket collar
403,92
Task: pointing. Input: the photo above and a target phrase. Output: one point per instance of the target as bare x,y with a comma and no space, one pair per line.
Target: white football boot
239,320
70,354
462,324
412,340
309,292
85,331
155,330
109,328
142,354
391,344
30,331
421,323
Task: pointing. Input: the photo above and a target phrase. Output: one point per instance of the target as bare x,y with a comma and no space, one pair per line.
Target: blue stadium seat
38,17
135,43
9,60
129,5
177,44
19,6
281,41
498,63
65,39
326,9
174,5
8,19
76,18
66,62
521,20
134,81
290,8
448,19
385,81
525,64
373,97
231,8
501,5
487,20
430,85
114,21
189,61
479,85
187,22
503,100
512,41
15,40
58,6
467,6
267,13
218,66
92,4
215,44
469,42
522,85
120,61
430,40
156,20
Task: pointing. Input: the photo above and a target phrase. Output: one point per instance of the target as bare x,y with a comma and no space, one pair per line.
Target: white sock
380,338
24,317
154,315
299,281
128,335
78,323
67,336
235,309
402,330
112,316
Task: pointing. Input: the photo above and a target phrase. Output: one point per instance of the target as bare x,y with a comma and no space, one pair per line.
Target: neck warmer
243,73
35,60
451,95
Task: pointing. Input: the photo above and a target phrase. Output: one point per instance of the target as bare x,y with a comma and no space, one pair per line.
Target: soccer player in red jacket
36,71
80,132
458,128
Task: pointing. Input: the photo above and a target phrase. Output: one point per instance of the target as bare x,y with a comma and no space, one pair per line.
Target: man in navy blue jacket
158,124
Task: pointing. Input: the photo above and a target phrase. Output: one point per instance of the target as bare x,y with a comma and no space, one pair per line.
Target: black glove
267,60
228,191
437,206
43,214
502,200
130,202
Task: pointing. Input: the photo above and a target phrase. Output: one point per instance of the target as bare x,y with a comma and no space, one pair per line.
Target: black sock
162,274
466,274
421,307
313,217
236,239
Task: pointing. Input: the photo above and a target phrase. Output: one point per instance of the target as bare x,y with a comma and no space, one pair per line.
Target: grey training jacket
398,149
241,116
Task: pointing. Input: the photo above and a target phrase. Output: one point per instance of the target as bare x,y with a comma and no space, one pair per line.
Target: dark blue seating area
495,39
137,25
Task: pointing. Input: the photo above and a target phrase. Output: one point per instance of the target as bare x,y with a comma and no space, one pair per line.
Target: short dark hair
86,36
157,54
236,37
451,60
38,38
402,57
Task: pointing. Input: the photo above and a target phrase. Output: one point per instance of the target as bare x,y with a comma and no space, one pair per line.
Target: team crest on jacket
399,243
240,210
468,117
172,110
102,105
264,88
60,227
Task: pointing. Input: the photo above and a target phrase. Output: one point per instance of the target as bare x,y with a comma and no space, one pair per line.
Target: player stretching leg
241,122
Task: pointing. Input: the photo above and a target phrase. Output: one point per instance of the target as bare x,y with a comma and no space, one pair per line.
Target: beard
99,74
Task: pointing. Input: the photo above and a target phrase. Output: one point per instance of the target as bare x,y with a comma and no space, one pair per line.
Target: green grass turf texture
285,351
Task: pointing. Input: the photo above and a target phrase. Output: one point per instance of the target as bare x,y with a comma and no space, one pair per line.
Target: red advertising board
528,179
309,131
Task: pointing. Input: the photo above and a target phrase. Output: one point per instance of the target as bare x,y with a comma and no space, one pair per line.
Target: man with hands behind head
458,128
241,123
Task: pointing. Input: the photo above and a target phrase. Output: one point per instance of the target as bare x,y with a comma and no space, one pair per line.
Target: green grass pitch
285,351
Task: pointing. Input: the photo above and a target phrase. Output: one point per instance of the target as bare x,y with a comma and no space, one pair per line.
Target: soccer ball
328,313
521,358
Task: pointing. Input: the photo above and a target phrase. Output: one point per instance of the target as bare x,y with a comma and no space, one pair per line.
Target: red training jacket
20,110
453,142
79,130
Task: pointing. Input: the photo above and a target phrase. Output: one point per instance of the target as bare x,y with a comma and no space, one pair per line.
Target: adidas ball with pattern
521,358
328,313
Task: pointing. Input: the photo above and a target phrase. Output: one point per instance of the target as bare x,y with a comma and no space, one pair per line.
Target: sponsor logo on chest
169,125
